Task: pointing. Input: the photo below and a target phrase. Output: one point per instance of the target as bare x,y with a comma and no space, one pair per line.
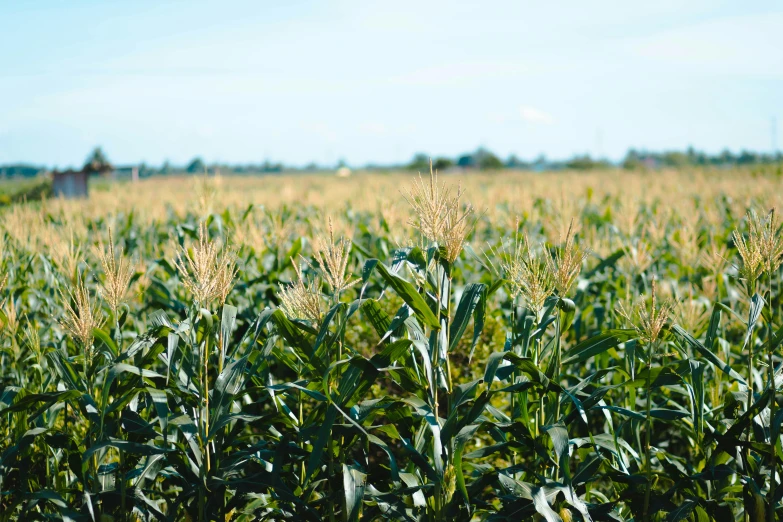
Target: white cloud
533,115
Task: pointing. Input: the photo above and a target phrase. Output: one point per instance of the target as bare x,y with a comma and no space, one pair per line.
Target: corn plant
576,358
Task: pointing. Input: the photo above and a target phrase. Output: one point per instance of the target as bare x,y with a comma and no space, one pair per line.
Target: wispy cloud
534,115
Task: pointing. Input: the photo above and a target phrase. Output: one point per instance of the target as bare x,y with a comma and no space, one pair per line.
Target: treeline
484,159
20,171
481,159
196,166
96,163
675,159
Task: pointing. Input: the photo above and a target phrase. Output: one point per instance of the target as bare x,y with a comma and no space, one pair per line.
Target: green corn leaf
321,439
523,364
353,486
706,353
587,471
410,295
712,329
543,507
293,252
466,434
377,317
400,318
660,376
160,401
697,380
471,300
48,400
425,412
324,330
126,446
567,311
393,468
597,345
294,335
66,371
559,436
754,312
667,414
172,341
119,369
106,340
228,383
607,262
227,323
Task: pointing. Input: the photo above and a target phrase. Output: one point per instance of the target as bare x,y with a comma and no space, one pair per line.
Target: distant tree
442,164
268,166
675,159
513,162
165,168
486,160
420,162
580,163
586,163
540,163
196,166
97,162
747,158
632,160
490,162
466,161
696,157
725,158
25,171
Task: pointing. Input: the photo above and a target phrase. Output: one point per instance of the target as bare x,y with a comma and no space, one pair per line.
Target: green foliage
97,162
196,166
28,190
486,160
586,163
420,162
690,158
441,164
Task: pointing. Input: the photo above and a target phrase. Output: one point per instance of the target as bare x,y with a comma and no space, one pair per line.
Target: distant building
70,184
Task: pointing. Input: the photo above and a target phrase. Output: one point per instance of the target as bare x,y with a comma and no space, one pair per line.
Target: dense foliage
252,364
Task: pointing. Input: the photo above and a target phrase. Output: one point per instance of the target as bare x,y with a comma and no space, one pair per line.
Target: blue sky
300,81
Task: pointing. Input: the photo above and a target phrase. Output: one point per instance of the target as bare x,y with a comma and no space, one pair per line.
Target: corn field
575,348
